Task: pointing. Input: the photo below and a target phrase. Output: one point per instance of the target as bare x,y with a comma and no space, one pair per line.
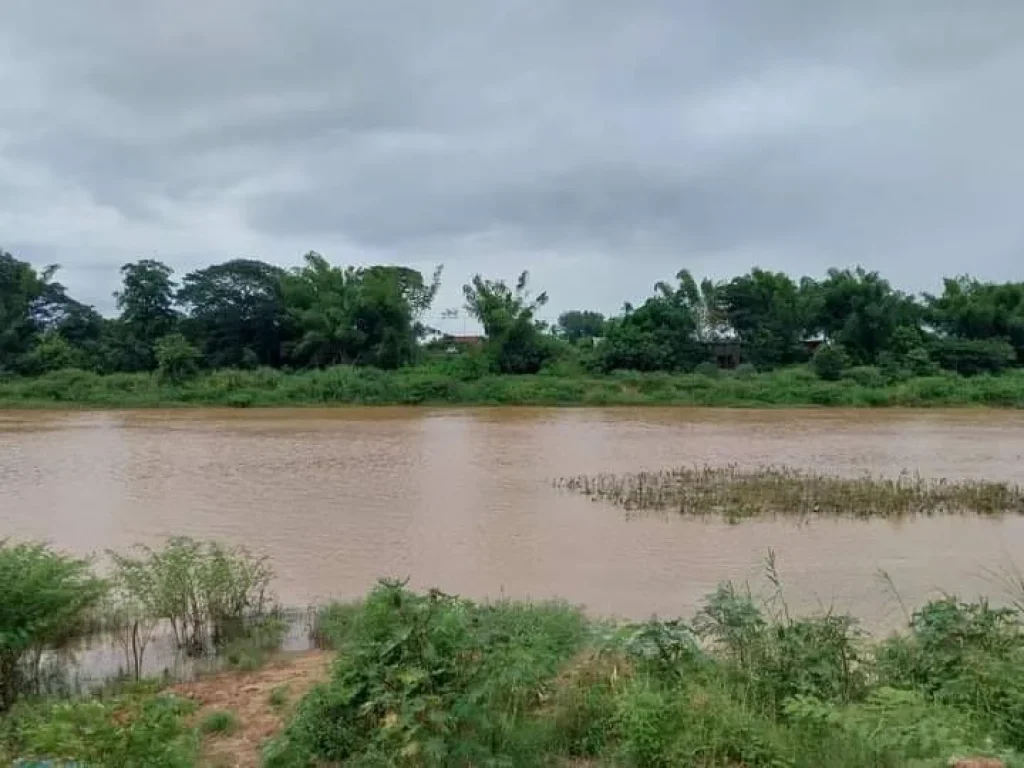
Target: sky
602,145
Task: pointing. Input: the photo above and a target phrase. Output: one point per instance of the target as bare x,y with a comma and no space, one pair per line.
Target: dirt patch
249,696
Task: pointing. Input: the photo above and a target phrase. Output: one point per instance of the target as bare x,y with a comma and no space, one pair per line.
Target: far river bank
344,385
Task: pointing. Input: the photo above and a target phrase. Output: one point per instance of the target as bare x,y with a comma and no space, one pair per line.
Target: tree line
246,313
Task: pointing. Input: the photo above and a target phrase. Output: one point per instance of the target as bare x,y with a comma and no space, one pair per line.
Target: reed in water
738,493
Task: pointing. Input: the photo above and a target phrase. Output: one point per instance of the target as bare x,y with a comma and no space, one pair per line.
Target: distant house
811,345
465,340
455,343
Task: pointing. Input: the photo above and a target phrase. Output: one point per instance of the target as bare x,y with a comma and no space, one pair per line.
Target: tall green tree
665,333
861,311
20,290
235,312
516,341
146,303
976,311
577,325
348,315
769,315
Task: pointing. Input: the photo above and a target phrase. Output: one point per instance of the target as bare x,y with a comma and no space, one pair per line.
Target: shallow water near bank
463,500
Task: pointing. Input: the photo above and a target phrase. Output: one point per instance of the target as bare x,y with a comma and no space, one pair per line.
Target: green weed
219,722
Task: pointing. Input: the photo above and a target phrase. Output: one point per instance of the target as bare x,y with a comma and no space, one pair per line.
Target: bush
865,376
745,371
707,369
259,639
206,591
128,732
431,679
46,601
176,359
969,357
829,362
221,721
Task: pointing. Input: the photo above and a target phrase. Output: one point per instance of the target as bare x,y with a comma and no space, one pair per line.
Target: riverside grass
739,494
437,680
430,385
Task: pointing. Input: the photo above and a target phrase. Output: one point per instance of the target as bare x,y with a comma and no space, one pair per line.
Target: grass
137,731
278,697
435,680
739,494
345,385
429,679
219,722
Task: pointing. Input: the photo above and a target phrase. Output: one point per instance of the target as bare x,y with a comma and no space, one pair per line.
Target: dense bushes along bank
346,385
436,680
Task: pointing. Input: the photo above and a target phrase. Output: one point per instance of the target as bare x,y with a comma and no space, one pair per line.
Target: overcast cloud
601,144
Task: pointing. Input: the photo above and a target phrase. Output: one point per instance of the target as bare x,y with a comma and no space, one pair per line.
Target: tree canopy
248,313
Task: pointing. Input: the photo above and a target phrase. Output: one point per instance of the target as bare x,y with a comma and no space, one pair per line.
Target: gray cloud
602,145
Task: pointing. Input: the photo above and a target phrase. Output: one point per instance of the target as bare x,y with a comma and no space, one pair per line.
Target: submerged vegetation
737,493
430,679
245,332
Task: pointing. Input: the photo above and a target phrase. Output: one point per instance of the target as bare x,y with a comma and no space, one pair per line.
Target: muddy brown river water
462,499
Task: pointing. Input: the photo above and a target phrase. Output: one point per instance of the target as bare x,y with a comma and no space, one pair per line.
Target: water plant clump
738,493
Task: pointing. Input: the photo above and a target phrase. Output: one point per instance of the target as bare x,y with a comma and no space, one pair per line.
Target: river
462,499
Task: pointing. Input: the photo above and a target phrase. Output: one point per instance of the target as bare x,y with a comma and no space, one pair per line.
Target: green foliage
245,314
829,362
206,591
46,600
176,359
236,311
348,315
859,311
707,369
890,728
969,309
664,333
515,340
250,647
123,732
146,302
433,680
580,325
221,721
970,357
278,697
770,314
52,352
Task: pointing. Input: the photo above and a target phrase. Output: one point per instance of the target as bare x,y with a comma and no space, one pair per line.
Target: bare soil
248,696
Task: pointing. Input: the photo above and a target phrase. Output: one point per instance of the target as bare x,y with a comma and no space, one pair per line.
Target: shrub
745,371
278,696
829,362
206,591
221,721
176,359
706,369
46,600
129,732
258,640
865,376
970,357
431,679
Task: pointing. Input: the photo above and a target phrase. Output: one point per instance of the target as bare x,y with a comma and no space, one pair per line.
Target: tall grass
344,385
744,493
434,680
